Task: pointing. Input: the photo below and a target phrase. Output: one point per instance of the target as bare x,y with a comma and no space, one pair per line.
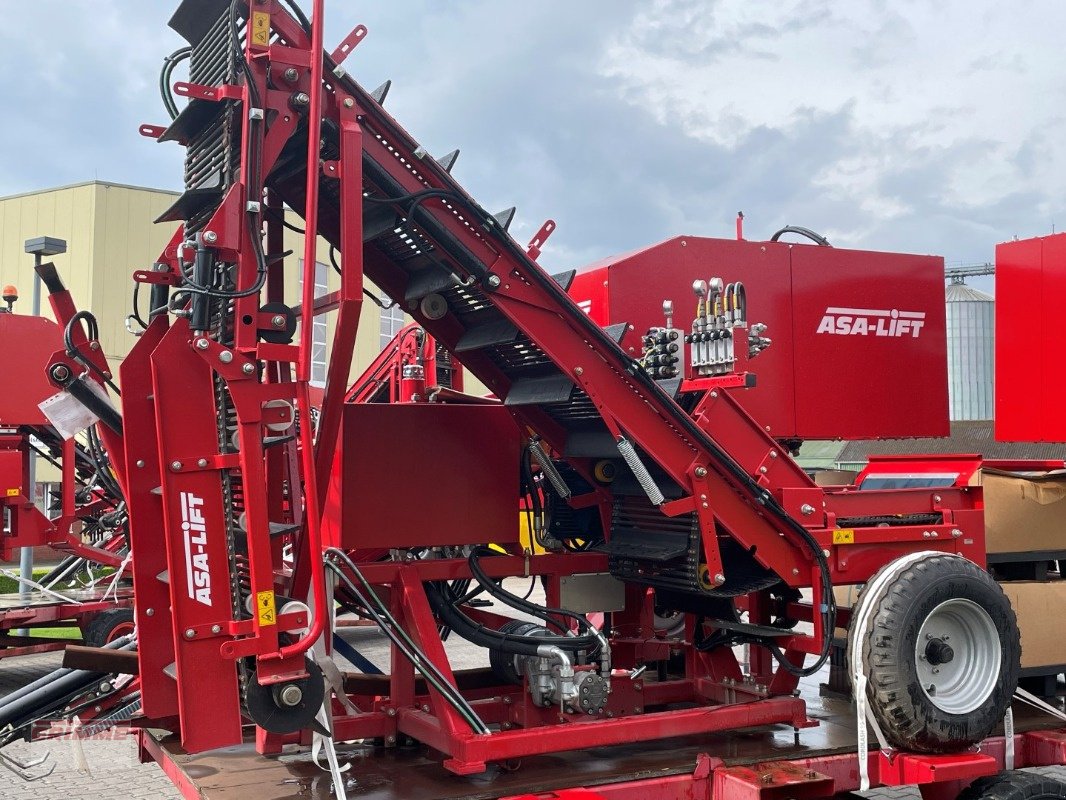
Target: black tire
103,626
1015,785
975,694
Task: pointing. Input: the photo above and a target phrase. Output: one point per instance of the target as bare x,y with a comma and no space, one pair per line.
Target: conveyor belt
501,344
525,342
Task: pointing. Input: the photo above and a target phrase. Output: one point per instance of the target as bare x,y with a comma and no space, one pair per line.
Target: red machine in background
832,314
405,368
1030,382
89,523
649,480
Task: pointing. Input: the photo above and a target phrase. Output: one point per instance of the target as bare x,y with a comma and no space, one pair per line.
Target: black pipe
122,643
92,401
158,299
200,305
45,693
60,570
50,277
45,699
44,680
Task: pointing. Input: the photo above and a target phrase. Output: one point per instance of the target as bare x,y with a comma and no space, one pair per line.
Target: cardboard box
1043,625
1024,511
835,477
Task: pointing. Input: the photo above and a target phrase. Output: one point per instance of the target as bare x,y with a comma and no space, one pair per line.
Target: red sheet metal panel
871,344
424,474
631,288
28,344
817,379
1030,382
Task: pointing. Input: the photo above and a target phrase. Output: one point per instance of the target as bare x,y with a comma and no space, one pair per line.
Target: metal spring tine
22,769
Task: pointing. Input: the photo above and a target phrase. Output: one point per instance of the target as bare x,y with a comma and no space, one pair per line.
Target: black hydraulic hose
74,351
518,603
43,694
817,238
483,636
384,619
157,300
169,63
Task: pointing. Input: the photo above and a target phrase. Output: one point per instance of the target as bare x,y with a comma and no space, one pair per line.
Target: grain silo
971,347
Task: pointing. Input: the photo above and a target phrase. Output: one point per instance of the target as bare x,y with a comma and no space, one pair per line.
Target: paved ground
105,768
109,769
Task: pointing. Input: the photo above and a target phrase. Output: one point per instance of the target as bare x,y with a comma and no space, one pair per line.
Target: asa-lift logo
871,322
195,529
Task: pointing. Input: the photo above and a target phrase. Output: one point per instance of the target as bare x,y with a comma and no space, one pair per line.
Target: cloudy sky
915,126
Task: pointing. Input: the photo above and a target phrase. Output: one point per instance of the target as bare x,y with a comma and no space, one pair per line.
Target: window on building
318,340
391,322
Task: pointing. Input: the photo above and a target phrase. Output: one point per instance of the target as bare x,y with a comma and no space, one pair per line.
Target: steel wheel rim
122,629
964,683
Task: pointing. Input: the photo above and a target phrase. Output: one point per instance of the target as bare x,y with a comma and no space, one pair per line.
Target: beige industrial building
110,231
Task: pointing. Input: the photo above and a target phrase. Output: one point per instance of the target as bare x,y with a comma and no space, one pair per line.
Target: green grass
73,632
11,586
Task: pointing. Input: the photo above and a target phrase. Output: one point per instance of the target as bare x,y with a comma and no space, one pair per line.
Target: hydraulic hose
381,615
817,238
520,604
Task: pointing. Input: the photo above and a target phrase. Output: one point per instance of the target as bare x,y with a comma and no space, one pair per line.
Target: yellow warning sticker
844,536
260,28
264,603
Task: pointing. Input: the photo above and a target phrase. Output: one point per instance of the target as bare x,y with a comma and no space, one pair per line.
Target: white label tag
67,415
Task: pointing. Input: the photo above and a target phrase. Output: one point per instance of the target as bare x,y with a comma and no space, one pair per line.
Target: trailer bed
806,759
38,609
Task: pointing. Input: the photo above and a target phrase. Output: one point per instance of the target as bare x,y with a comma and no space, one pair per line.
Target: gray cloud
627,122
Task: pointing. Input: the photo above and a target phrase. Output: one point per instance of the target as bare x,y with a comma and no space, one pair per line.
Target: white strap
113,586
77,752
1008,739
320,652
40,587
861,618
335,681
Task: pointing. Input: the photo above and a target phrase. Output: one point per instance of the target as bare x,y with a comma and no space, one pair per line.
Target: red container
1030,347
859,342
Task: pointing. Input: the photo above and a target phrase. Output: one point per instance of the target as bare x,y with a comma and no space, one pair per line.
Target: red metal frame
939,777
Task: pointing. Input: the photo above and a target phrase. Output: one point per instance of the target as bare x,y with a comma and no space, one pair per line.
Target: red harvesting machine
651,451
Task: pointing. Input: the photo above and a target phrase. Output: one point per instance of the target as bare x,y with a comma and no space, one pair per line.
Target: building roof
962,293
110,184
820,453
969,436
